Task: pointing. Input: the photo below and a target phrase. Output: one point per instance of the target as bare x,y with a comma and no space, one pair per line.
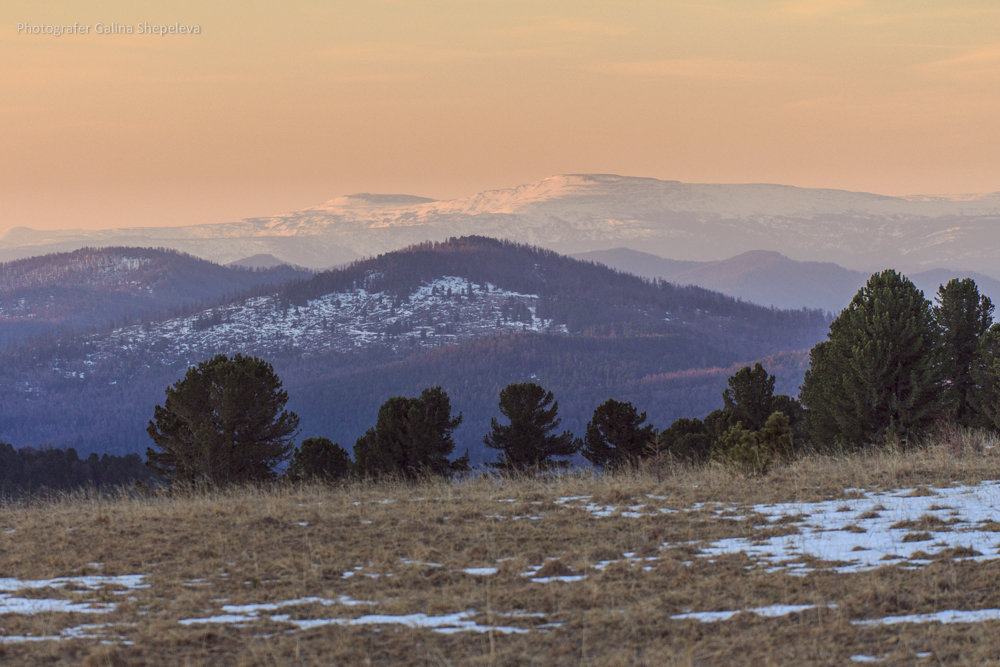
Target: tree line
892,365
29,470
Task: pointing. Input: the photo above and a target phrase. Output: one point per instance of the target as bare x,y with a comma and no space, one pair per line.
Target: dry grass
408,547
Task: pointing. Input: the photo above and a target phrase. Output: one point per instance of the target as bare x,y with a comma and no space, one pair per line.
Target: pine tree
224,422
985,373
752,452
686,440
962,316
528,441
875,376
319,459
411,437
749,396
616,437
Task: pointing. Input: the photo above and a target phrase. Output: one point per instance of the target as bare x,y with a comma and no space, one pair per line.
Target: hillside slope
93,287
471,314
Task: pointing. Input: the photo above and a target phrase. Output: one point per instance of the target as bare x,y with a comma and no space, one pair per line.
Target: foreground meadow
890,557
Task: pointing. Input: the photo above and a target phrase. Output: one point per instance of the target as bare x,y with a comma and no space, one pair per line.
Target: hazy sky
273,108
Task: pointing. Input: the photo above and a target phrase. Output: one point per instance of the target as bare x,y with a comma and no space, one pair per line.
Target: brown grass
408,546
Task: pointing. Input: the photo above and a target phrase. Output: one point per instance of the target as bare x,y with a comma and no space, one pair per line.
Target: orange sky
272,109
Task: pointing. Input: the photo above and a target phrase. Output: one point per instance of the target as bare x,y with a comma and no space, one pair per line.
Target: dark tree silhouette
962,315
616,436
411,437
223,423
686,440
875,376
528,440
319,459
749,396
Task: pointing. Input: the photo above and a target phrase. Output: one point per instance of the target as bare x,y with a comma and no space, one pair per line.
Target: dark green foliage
319,459
528,441
686,440
616,437
962,316
223,423
717,422
28,470
411,437
986,378
753,452
749,396
750,400
796,414
875,376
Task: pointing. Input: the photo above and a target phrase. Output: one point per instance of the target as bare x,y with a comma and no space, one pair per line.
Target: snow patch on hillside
446,310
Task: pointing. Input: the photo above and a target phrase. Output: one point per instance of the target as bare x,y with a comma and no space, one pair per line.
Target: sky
272,108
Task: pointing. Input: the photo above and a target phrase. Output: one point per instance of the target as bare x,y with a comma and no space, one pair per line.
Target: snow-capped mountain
584,212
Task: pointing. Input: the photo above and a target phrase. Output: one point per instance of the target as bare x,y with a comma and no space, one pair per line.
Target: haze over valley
594,212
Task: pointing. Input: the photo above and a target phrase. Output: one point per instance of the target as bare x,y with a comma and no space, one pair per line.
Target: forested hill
579,294
98,287
470,314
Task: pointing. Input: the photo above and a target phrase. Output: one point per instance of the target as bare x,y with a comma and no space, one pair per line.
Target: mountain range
586,212
469,314
90,288
771,279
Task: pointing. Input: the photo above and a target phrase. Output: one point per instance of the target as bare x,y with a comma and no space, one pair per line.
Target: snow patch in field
94,582
566,578
222,618
247,613
29,606
444,624
772,611
868,532
343,600
946,616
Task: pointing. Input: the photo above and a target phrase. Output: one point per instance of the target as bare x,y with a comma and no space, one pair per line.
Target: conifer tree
616,437
224,422
528,440
962,315
986,379
411,437
875,376
686,440
319,459
749,396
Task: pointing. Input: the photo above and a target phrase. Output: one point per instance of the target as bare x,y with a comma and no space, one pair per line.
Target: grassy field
888,557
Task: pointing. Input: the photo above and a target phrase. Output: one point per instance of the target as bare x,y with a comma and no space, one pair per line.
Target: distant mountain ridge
771,279
470,314
96,286
585,212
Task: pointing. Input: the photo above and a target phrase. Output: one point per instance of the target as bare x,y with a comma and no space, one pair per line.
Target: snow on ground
876,529
80,588
946,616
443,623
92,582
867,530
446,310
771,611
